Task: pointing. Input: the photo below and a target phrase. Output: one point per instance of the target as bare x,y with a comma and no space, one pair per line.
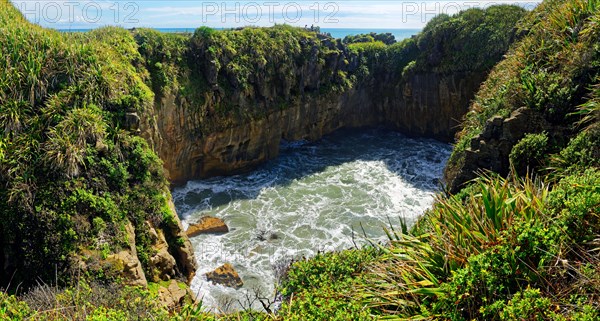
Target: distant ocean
335,32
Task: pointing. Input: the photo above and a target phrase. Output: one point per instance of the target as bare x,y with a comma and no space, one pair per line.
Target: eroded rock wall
424,105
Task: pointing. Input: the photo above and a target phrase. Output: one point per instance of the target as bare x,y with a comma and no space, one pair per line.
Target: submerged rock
225,275
208,225
262,235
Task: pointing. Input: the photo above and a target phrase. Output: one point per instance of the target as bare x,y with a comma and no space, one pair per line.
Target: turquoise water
322,196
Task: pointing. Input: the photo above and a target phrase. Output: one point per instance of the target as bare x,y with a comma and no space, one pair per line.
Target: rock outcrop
171,257
225,275
208,225
127,263
172,294
491,149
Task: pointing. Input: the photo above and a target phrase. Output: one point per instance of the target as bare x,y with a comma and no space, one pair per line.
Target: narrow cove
317,196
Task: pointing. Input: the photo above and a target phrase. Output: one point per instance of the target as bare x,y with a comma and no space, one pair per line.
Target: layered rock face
169,259
424,105
490,150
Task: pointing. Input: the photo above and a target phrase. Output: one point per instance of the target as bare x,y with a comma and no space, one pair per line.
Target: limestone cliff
426,105
491,148
233,101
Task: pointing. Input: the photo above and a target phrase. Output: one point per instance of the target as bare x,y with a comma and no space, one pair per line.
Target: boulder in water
225,275
208,225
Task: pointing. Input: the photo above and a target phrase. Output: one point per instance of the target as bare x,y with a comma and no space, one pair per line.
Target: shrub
322,288
529,152
582,152
473,39
84,301
527,305
386,38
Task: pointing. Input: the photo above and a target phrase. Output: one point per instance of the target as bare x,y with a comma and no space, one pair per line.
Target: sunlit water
319,196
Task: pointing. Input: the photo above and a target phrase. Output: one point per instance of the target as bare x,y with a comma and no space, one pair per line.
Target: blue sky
225,14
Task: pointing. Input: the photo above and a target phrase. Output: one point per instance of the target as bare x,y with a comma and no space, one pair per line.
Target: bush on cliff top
471,40
386,38
227,77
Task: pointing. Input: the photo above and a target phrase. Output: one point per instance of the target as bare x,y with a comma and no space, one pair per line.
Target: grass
97,302
548,71
507,248
552,71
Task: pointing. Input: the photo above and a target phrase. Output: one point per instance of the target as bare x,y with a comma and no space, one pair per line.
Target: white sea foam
314,197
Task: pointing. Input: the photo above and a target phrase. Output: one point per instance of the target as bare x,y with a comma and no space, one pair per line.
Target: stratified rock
225,275
186,262
127,263
423,104
208,225
172,296
163,263
491,149
129,268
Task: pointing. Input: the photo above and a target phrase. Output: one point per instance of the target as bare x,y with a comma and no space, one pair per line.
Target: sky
355,14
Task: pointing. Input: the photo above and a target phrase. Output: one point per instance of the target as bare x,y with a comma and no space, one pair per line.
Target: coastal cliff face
230,102
426,105
429,104
165,261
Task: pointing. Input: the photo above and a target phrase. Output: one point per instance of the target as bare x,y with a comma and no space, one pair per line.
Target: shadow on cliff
418,162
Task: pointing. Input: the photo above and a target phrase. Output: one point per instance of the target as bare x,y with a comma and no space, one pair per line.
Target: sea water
333,194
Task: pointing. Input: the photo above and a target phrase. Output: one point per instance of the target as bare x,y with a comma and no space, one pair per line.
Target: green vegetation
471,41
94,302
474,39
233,76
164,56
553,69
506,249
324,287
230,76
523,247
528,152
386,38
73,176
